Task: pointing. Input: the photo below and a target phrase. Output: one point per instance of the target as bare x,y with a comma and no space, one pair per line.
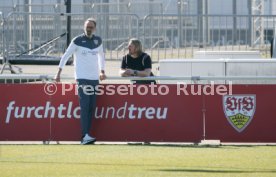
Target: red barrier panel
23,126
253,117
169,118
167,114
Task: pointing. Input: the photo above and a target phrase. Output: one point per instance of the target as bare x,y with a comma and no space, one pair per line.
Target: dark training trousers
87,101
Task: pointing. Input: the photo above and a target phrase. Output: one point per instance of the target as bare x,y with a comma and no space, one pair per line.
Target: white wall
219,67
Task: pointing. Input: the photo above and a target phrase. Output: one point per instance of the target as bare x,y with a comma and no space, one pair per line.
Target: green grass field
136,160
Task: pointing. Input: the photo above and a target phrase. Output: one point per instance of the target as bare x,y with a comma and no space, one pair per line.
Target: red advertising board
251,115
27,113
163,113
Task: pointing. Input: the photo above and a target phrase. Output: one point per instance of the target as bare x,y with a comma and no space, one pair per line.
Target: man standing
136,62
89,65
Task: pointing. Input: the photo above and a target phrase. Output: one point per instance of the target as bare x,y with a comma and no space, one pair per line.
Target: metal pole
234,37
28,24
200,4
107,45
206,35
3,37
249,33
179,23
204,116
68,10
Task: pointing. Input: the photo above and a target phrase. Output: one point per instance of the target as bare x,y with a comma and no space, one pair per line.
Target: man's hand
102,76
57,76
127,72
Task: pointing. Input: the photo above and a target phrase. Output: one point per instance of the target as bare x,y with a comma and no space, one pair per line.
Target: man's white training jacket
88,57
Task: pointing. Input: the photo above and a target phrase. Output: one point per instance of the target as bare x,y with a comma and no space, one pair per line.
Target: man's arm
131,72
144,73
69,51
101,59
147,65
124,72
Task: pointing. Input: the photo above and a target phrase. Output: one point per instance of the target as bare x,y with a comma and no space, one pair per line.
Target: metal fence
27,31
179,36
163,36
92,7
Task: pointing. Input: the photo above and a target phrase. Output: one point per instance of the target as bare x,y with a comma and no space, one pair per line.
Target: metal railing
31,78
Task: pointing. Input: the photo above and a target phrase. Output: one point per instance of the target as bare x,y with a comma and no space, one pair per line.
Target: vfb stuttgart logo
239,110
